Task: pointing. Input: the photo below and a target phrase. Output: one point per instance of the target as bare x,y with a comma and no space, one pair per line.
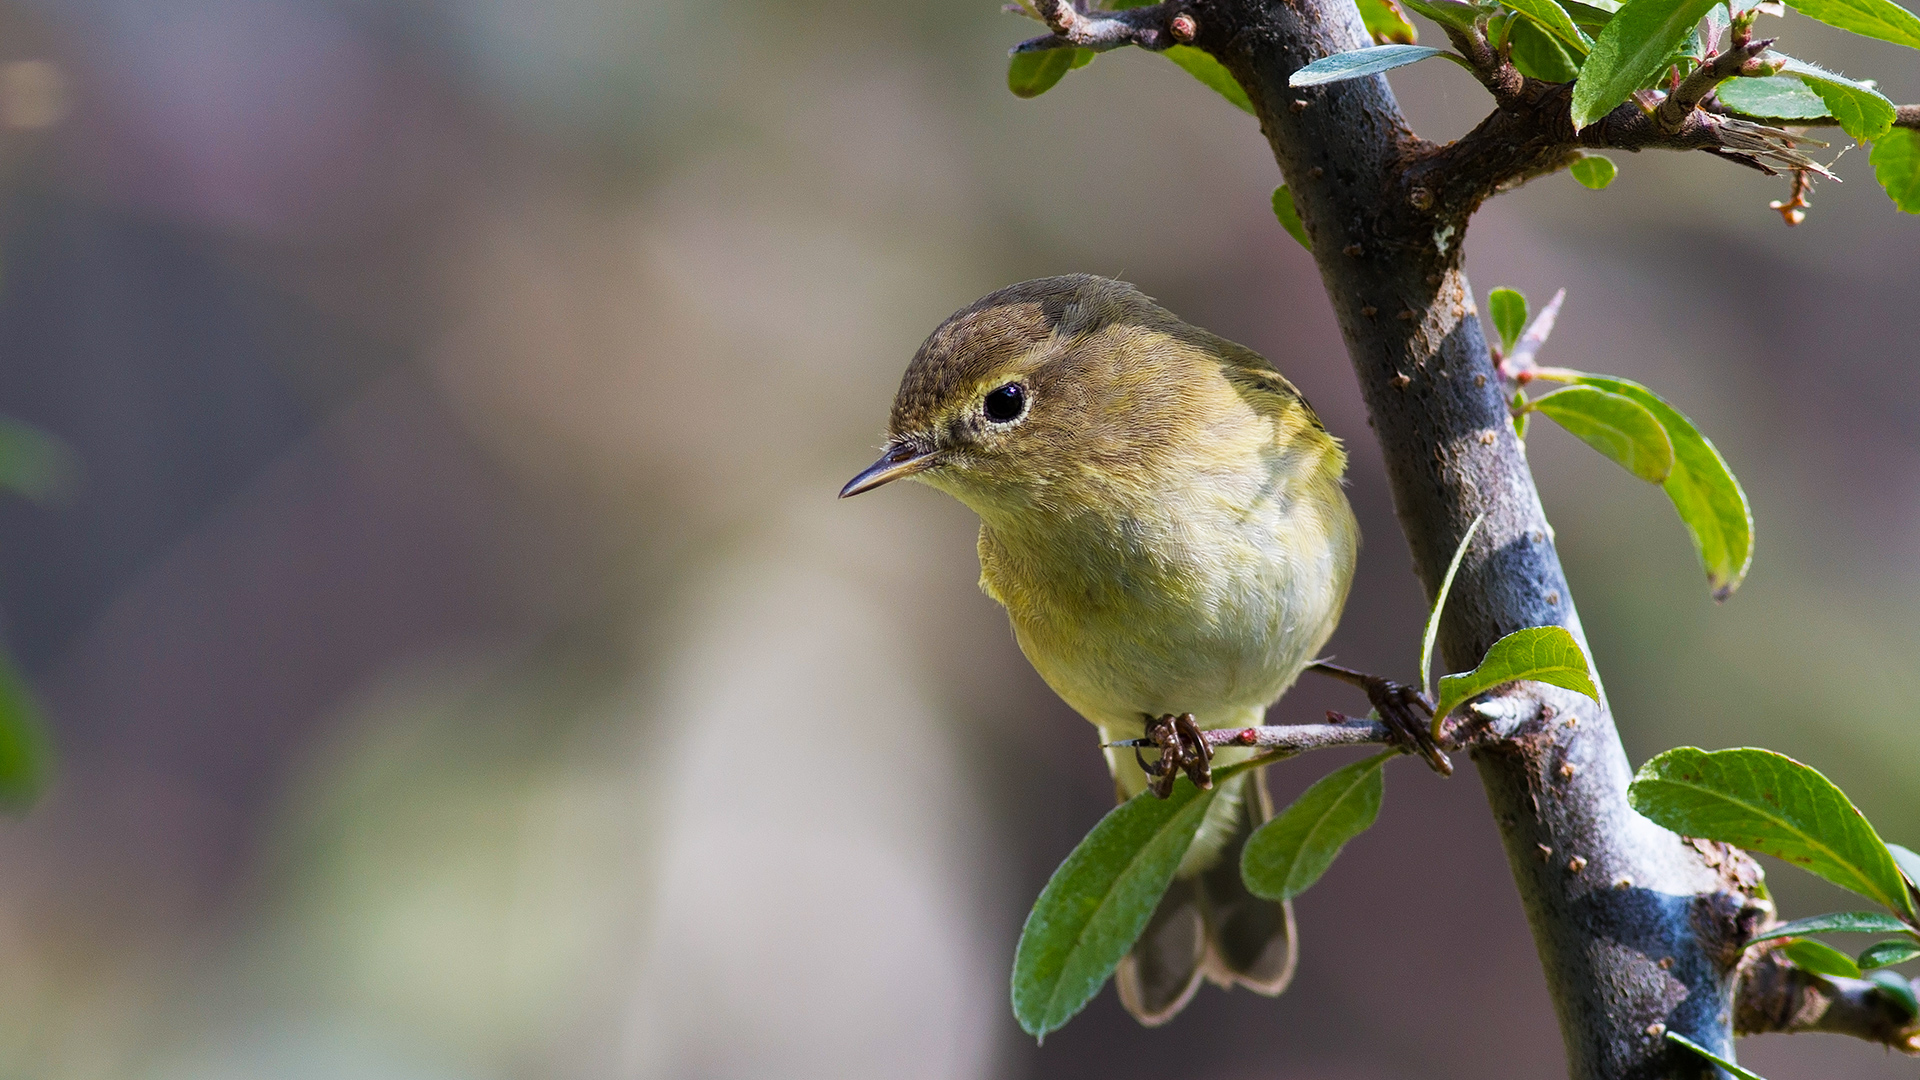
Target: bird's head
1041,388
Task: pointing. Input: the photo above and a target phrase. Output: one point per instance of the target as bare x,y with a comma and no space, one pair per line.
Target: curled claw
1402,708
1182,749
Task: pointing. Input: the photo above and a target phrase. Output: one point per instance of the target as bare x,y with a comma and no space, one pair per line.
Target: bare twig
1155,27
1775,996
1290,739
1519,367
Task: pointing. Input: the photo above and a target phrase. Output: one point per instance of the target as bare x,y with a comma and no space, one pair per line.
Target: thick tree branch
1776,996
1637,934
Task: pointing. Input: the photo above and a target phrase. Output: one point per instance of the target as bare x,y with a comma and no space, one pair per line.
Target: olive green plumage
1162,517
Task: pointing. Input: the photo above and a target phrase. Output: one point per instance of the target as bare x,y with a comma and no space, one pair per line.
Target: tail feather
1209,925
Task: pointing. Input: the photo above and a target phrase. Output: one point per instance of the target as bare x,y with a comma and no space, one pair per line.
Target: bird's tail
1208,925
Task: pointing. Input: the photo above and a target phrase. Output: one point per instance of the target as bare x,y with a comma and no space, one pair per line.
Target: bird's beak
901,459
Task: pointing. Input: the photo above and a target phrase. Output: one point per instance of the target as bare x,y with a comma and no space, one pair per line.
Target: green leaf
1360,63
1838,922
1030,74
1768,802
1553,18
1288,854
1594,171
1821,959
1725,1063
1289,217
1098,901
1545,654
1636,46
1432,631
1702,489
1895,985
1591,17
1386,23
1888,953
32,463
1201,65
1775,97
1896,164
1508,309
1538,55
1447,12
1881,19
1616,425
24,747
1860,109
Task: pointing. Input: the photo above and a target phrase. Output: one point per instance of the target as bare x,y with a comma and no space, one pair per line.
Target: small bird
1163,519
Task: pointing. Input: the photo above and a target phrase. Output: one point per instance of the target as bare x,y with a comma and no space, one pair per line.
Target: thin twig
1150,28
1293,738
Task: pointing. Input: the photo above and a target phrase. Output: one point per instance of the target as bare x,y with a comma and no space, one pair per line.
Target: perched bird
1162,517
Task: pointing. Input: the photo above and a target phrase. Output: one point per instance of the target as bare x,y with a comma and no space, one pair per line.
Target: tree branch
1775,996
1637,934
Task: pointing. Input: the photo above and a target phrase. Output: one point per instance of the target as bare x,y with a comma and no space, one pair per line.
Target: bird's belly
1219,635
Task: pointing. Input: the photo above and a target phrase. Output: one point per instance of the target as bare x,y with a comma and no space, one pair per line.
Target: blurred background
461,668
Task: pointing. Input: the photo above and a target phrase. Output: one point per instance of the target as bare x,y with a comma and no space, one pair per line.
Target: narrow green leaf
1030,74
1775,97
1508,309
1538,55
1896,986
1701,488
1432,631
24,746
1360,63
1881,19
32,463
1725,1063
1838,922
1766,801
1636,46
1446,12
1520,414
1861,111
1201,65
1551,17
1098,901
1594,171
1545,654
1289,217
1386,23
1288,854
1593,17
1616,425
1896,164
1821,959
1887,954
1907,860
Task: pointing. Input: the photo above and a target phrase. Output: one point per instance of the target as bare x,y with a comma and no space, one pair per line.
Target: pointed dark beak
901,459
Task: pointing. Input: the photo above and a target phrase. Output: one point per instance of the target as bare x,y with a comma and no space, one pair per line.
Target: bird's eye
1006,403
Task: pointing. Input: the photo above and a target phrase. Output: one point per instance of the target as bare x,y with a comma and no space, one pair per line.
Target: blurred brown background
462,668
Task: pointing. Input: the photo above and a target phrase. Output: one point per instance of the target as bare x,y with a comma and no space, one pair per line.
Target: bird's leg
1403,708
1182,748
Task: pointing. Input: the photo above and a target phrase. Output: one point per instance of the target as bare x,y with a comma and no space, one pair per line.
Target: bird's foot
1403,708
1182,749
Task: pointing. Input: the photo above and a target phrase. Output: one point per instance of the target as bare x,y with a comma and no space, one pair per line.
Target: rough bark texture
1637,933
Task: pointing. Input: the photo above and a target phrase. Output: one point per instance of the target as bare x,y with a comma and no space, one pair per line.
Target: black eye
1006,403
